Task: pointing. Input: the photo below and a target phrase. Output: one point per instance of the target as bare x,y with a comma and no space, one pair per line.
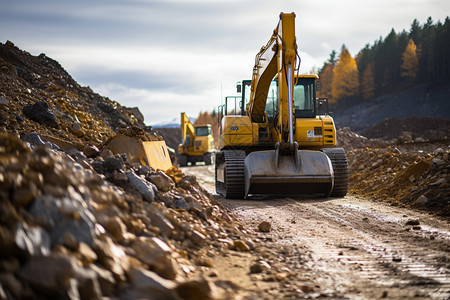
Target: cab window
304,95
201,131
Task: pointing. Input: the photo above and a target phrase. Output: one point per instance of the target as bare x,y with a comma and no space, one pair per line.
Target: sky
172,56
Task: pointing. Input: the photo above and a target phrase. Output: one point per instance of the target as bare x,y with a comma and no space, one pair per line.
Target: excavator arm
276,58
187,128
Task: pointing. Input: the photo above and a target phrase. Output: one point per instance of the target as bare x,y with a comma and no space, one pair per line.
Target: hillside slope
38,95
427,100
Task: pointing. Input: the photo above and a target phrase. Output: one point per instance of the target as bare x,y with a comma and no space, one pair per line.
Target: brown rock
197,238
259,267
264,226
145,283
114,226
112,257
48,274
105,279
159,220
412,222
91,151
11,284
163,182
156,254
197,289
87,283
86,255
240,245
106,153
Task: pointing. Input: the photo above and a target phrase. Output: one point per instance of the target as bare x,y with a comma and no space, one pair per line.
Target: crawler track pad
312,175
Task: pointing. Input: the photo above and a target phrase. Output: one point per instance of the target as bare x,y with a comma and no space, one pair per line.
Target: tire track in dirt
356,248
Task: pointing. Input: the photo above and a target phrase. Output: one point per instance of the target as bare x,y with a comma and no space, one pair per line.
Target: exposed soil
344,248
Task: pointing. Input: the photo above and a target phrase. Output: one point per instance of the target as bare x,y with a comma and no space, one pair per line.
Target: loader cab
203,130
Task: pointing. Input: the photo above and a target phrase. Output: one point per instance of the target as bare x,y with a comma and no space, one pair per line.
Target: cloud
169,56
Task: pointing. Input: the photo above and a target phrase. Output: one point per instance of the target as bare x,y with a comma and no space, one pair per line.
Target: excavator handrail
277,58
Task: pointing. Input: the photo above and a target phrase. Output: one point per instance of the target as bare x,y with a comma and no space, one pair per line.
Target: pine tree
345,82
410,65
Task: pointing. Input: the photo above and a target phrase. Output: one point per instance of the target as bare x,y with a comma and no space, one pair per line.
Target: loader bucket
153,153
306,174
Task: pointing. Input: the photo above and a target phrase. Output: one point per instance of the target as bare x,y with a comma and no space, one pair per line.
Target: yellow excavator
283,141
197,143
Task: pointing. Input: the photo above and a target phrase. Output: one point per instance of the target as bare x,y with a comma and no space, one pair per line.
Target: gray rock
35,140
4,101
437,151
76,154
144,170
65,215
145,188
113,163
40,112
31,240
180,203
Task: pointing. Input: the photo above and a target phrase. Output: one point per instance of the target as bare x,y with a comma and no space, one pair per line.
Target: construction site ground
349,248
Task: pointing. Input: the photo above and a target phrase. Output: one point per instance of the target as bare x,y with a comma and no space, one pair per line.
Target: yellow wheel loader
282,142
197,143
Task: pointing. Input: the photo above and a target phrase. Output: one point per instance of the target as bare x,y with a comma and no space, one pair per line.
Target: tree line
397,62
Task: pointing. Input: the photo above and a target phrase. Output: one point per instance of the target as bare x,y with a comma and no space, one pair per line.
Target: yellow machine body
147,153
197,143
282,142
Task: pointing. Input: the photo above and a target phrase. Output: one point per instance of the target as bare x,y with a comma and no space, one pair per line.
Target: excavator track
233,161
340,168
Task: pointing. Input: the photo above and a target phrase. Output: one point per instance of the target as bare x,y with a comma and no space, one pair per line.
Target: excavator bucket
304,173
153,153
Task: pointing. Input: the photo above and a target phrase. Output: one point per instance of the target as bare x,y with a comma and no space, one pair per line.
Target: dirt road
348,247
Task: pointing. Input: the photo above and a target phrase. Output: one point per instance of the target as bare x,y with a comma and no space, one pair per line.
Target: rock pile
38,95
351,140
404,178
88,224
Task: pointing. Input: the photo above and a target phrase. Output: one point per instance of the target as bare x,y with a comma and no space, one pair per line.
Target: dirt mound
420,129
38,95
416,179
118,231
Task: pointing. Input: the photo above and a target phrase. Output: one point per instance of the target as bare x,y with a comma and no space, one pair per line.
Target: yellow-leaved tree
326,77
410,58
368,82
345,81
